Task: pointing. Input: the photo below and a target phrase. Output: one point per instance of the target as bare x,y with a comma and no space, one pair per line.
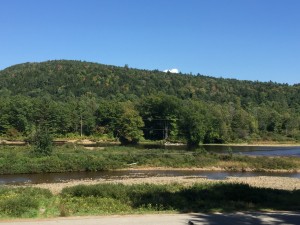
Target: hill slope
73,97
64,78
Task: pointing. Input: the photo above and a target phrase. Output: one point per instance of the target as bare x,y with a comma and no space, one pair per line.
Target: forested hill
63,78
71,98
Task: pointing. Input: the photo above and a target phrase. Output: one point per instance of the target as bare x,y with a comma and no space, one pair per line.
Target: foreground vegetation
68,158
23,202
72,98
103,199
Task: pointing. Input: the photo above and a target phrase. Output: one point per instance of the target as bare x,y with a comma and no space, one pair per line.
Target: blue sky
241,39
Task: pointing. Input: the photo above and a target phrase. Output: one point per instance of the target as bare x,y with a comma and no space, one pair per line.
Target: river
244,150
236,149
256,150
111,175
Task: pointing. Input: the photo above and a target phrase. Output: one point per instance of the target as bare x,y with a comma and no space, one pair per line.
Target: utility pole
80,125
166,131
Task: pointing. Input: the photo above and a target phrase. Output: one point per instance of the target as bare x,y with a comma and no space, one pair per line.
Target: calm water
257,150
244,150
111,175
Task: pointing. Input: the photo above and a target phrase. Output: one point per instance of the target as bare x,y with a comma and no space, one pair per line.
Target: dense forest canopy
74,97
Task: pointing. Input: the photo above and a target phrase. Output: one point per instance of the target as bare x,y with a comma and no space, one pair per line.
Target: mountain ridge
62,78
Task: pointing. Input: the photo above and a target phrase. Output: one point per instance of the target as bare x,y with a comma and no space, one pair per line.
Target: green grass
23,202
105,199
178,198
68,158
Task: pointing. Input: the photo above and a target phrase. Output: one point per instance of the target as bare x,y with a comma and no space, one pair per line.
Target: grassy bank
24,202
178,198
104,199
70,158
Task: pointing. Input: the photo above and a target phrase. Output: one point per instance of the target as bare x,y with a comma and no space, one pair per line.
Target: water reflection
244,150
112,175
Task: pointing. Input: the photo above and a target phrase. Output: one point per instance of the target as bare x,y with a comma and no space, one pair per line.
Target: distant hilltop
63,78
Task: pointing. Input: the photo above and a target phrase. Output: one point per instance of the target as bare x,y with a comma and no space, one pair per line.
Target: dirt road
254,218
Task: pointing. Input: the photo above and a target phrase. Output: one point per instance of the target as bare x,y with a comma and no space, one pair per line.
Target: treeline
72,98
155,117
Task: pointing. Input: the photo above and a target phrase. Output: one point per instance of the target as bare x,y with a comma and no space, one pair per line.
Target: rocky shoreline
283,183
93,142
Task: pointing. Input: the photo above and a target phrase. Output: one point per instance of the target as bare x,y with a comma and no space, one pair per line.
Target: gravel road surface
251,218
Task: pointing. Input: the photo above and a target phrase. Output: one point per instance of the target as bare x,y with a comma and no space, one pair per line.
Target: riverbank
93,142
69,158
282,183
149,195
258,144
213,168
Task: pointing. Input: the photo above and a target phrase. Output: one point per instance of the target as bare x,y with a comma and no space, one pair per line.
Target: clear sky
241,39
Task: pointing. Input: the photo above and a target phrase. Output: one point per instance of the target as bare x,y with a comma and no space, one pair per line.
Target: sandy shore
259,144
283,183
212,168
93,142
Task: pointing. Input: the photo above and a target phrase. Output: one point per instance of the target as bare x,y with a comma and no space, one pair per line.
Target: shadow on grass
221,197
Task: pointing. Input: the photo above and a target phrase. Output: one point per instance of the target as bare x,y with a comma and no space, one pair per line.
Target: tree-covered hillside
74,78
71,97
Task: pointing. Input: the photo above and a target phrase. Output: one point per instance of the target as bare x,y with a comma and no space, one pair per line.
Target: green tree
160,114
129,124
193,122
86,114
42,142
121,120
106,116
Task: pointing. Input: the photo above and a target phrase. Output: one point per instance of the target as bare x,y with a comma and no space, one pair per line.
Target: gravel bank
283,183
